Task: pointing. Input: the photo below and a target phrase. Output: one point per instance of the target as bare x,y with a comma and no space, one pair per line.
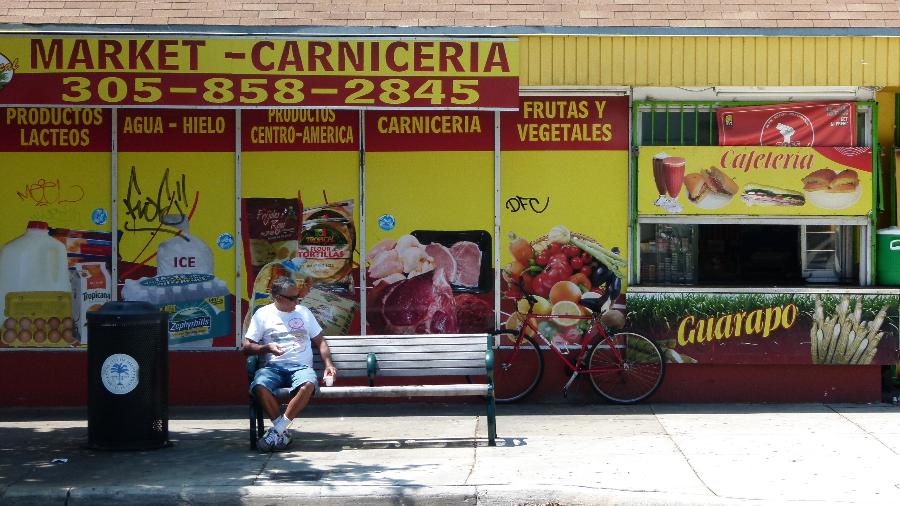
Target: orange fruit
566,308
565,290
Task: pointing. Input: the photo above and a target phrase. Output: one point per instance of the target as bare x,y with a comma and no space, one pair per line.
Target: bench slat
404,341
403,391
454,371
437,348
473,356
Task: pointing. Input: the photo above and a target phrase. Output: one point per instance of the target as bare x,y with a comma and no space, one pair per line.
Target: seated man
284,331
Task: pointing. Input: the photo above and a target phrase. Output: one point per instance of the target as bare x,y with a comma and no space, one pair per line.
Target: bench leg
492,420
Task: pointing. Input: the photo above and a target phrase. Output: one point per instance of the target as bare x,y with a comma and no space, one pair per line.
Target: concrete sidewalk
438,454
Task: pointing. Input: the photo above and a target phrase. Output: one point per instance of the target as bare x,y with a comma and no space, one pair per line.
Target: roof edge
432,31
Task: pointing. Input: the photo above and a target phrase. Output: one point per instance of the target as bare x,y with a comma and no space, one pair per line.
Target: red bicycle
624,367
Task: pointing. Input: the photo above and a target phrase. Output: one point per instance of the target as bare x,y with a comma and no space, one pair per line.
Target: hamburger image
828,189
762,195
710,189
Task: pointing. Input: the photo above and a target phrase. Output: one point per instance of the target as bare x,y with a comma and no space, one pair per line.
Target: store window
705,231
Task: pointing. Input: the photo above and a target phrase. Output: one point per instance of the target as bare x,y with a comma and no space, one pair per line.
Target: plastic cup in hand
329,380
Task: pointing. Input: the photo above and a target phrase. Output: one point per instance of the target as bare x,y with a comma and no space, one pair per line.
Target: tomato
554,248
586,257
576,262
543,258
587,270
542,284
571,250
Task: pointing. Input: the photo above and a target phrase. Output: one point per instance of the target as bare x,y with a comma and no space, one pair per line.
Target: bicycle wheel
629,368
517,368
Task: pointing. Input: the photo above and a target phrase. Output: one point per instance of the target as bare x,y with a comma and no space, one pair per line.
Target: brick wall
481,13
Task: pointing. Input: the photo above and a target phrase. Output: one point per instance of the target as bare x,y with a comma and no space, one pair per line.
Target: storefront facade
190,170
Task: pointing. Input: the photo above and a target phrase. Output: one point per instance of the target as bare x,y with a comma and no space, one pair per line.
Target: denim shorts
275,376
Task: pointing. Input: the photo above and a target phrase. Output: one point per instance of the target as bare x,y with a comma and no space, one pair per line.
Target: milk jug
183,253
33,262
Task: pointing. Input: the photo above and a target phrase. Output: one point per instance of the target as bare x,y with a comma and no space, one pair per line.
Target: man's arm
324,352
253,348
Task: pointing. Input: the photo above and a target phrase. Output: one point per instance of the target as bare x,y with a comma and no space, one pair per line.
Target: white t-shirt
292,331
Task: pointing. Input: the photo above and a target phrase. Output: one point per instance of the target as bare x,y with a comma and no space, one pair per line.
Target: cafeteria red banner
788,125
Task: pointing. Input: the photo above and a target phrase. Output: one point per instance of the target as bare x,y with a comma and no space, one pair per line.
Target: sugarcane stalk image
844,338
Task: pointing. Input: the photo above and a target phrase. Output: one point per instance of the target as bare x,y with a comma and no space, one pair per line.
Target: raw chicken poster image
430,283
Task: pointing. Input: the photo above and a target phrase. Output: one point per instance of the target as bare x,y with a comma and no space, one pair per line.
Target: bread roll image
845,181
818,180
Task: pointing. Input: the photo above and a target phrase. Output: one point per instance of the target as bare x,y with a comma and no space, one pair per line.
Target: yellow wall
709,61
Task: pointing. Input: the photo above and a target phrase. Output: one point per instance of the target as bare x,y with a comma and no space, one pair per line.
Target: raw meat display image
430,282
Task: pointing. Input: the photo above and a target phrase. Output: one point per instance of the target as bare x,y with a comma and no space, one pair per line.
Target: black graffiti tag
519,203
144,212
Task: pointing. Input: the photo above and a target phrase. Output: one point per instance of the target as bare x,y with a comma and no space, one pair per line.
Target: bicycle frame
597,330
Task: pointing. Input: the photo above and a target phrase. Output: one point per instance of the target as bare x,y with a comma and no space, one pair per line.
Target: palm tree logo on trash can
119,373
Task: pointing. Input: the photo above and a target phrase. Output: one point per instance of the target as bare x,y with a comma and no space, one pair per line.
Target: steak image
468,263
423,304
443,259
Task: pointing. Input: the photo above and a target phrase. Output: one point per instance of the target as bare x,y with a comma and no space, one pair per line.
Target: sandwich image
762,195
710,189
828,189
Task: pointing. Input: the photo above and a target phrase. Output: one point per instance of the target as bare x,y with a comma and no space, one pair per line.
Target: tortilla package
327,242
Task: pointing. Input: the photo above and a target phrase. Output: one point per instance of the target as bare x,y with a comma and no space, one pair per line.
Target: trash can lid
889,231
127,307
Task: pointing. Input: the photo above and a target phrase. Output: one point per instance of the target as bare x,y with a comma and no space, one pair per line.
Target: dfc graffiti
760,322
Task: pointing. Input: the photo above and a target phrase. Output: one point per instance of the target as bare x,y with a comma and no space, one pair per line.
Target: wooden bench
406,356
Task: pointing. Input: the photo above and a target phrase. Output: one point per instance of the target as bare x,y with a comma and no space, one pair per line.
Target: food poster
300,210
754,181
429,183
564,216
176,217
55,241
769,328
788,125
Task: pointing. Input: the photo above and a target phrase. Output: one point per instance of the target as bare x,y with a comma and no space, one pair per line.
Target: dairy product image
35,297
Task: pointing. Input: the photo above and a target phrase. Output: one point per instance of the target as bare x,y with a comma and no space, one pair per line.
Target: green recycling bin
887,269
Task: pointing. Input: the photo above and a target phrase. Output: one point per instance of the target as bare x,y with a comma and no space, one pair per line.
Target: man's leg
299,401
268,402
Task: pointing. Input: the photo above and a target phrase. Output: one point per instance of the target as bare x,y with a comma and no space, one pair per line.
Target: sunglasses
295,298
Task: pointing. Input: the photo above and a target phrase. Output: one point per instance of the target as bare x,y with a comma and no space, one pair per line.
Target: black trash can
128,377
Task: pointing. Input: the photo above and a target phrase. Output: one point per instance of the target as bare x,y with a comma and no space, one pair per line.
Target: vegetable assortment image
559,270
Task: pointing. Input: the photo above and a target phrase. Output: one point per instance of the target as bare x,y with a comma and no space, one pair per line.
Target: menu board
754,181
55,240
177,230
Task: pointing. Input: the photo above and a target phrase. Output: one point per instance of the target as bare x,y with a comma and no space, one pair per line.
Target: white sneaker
268,442
283,441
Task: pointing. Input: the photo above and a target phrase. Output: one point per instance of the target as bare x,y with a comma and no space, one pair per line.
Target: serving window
709,214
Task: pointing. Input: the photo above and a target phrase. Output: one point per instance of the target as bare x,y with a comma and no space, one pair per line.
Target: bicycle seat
595,304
